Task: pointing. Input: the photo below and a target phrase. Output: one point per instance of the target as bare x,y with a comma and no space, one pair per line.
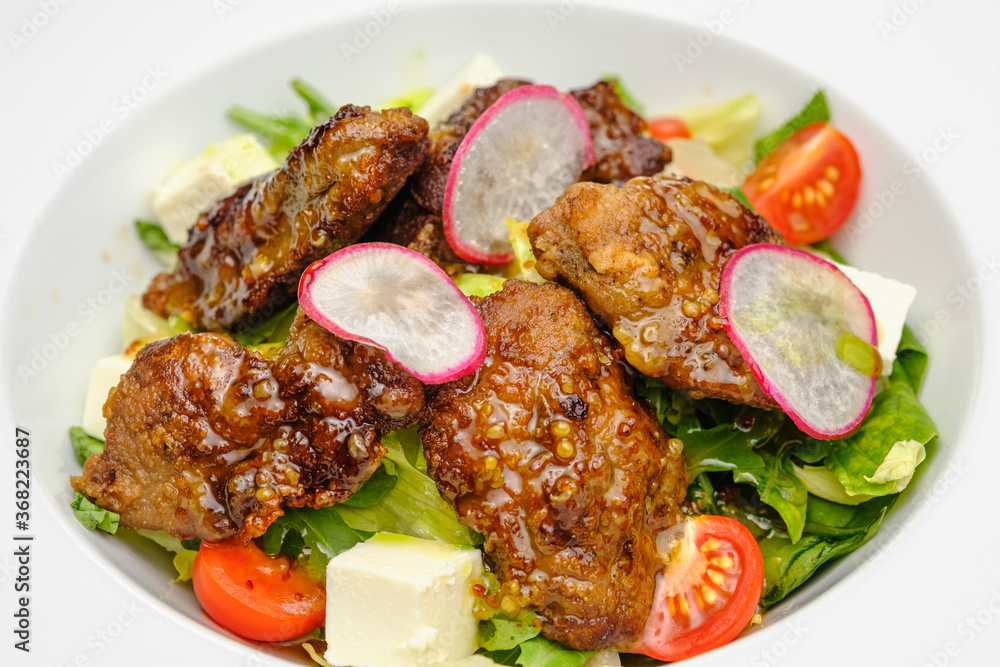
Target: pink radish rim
765,385
511,96
306,303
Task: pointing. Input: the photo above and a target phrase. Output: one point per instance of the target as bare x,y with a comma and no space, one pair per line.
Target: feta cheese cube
196,184
396,601
106,374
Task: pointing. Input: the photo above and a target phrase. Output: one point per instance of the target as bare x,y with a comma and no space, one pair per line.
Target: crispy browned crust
206,439
243,259
647,259
574,530
623,148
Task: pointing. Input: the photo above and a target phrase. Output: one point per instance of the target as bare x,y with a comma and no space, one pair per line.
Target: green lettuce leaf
816,110
84,445
502,633
727,446
912,359
540,652
376,487
413,506
895,416
318,534
778,486
92,516
788,565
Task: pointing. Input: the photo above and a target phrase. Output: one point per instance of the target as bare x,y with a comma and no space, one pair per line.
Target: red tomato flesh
807,187
669,127
708,591
255,595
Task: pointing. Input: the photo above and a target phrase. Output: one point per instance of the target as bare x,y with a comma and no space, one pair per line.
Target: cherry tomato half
708,591
808,186
669,127
254,595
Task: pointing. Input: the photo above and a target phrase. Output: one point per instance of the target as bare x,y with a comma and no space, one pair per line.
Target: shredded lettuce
412,100
523,265
728,127
479,284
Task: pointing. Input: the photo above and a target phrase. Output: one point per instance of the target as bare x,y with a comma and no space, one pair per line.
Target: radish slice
397,300
807,332
529,146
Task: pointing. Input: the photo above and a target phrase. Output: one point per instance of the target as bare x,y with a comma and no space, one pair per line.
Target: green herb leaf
320,108
92,516
816,110
84,445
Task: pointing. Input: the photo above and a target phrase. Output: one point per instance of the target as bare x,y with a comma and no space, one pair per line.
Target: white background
938,69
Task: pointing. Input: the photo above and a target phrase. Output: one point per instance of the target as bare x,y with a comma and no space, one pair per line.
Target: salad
721,483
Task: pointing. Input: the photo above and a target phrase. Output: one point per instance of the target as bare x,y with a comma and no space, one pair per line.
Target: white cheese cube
195,185
480,72
890,300
106,374
397,601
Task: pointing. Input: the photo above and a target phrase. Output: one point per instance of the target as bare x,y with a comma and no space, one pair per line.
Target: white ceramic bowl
59,322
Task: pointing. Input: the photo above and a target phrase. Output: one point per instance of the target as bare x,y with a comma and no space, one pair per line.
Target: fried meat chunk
206,439
647,259
622,150
244,257
546,452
